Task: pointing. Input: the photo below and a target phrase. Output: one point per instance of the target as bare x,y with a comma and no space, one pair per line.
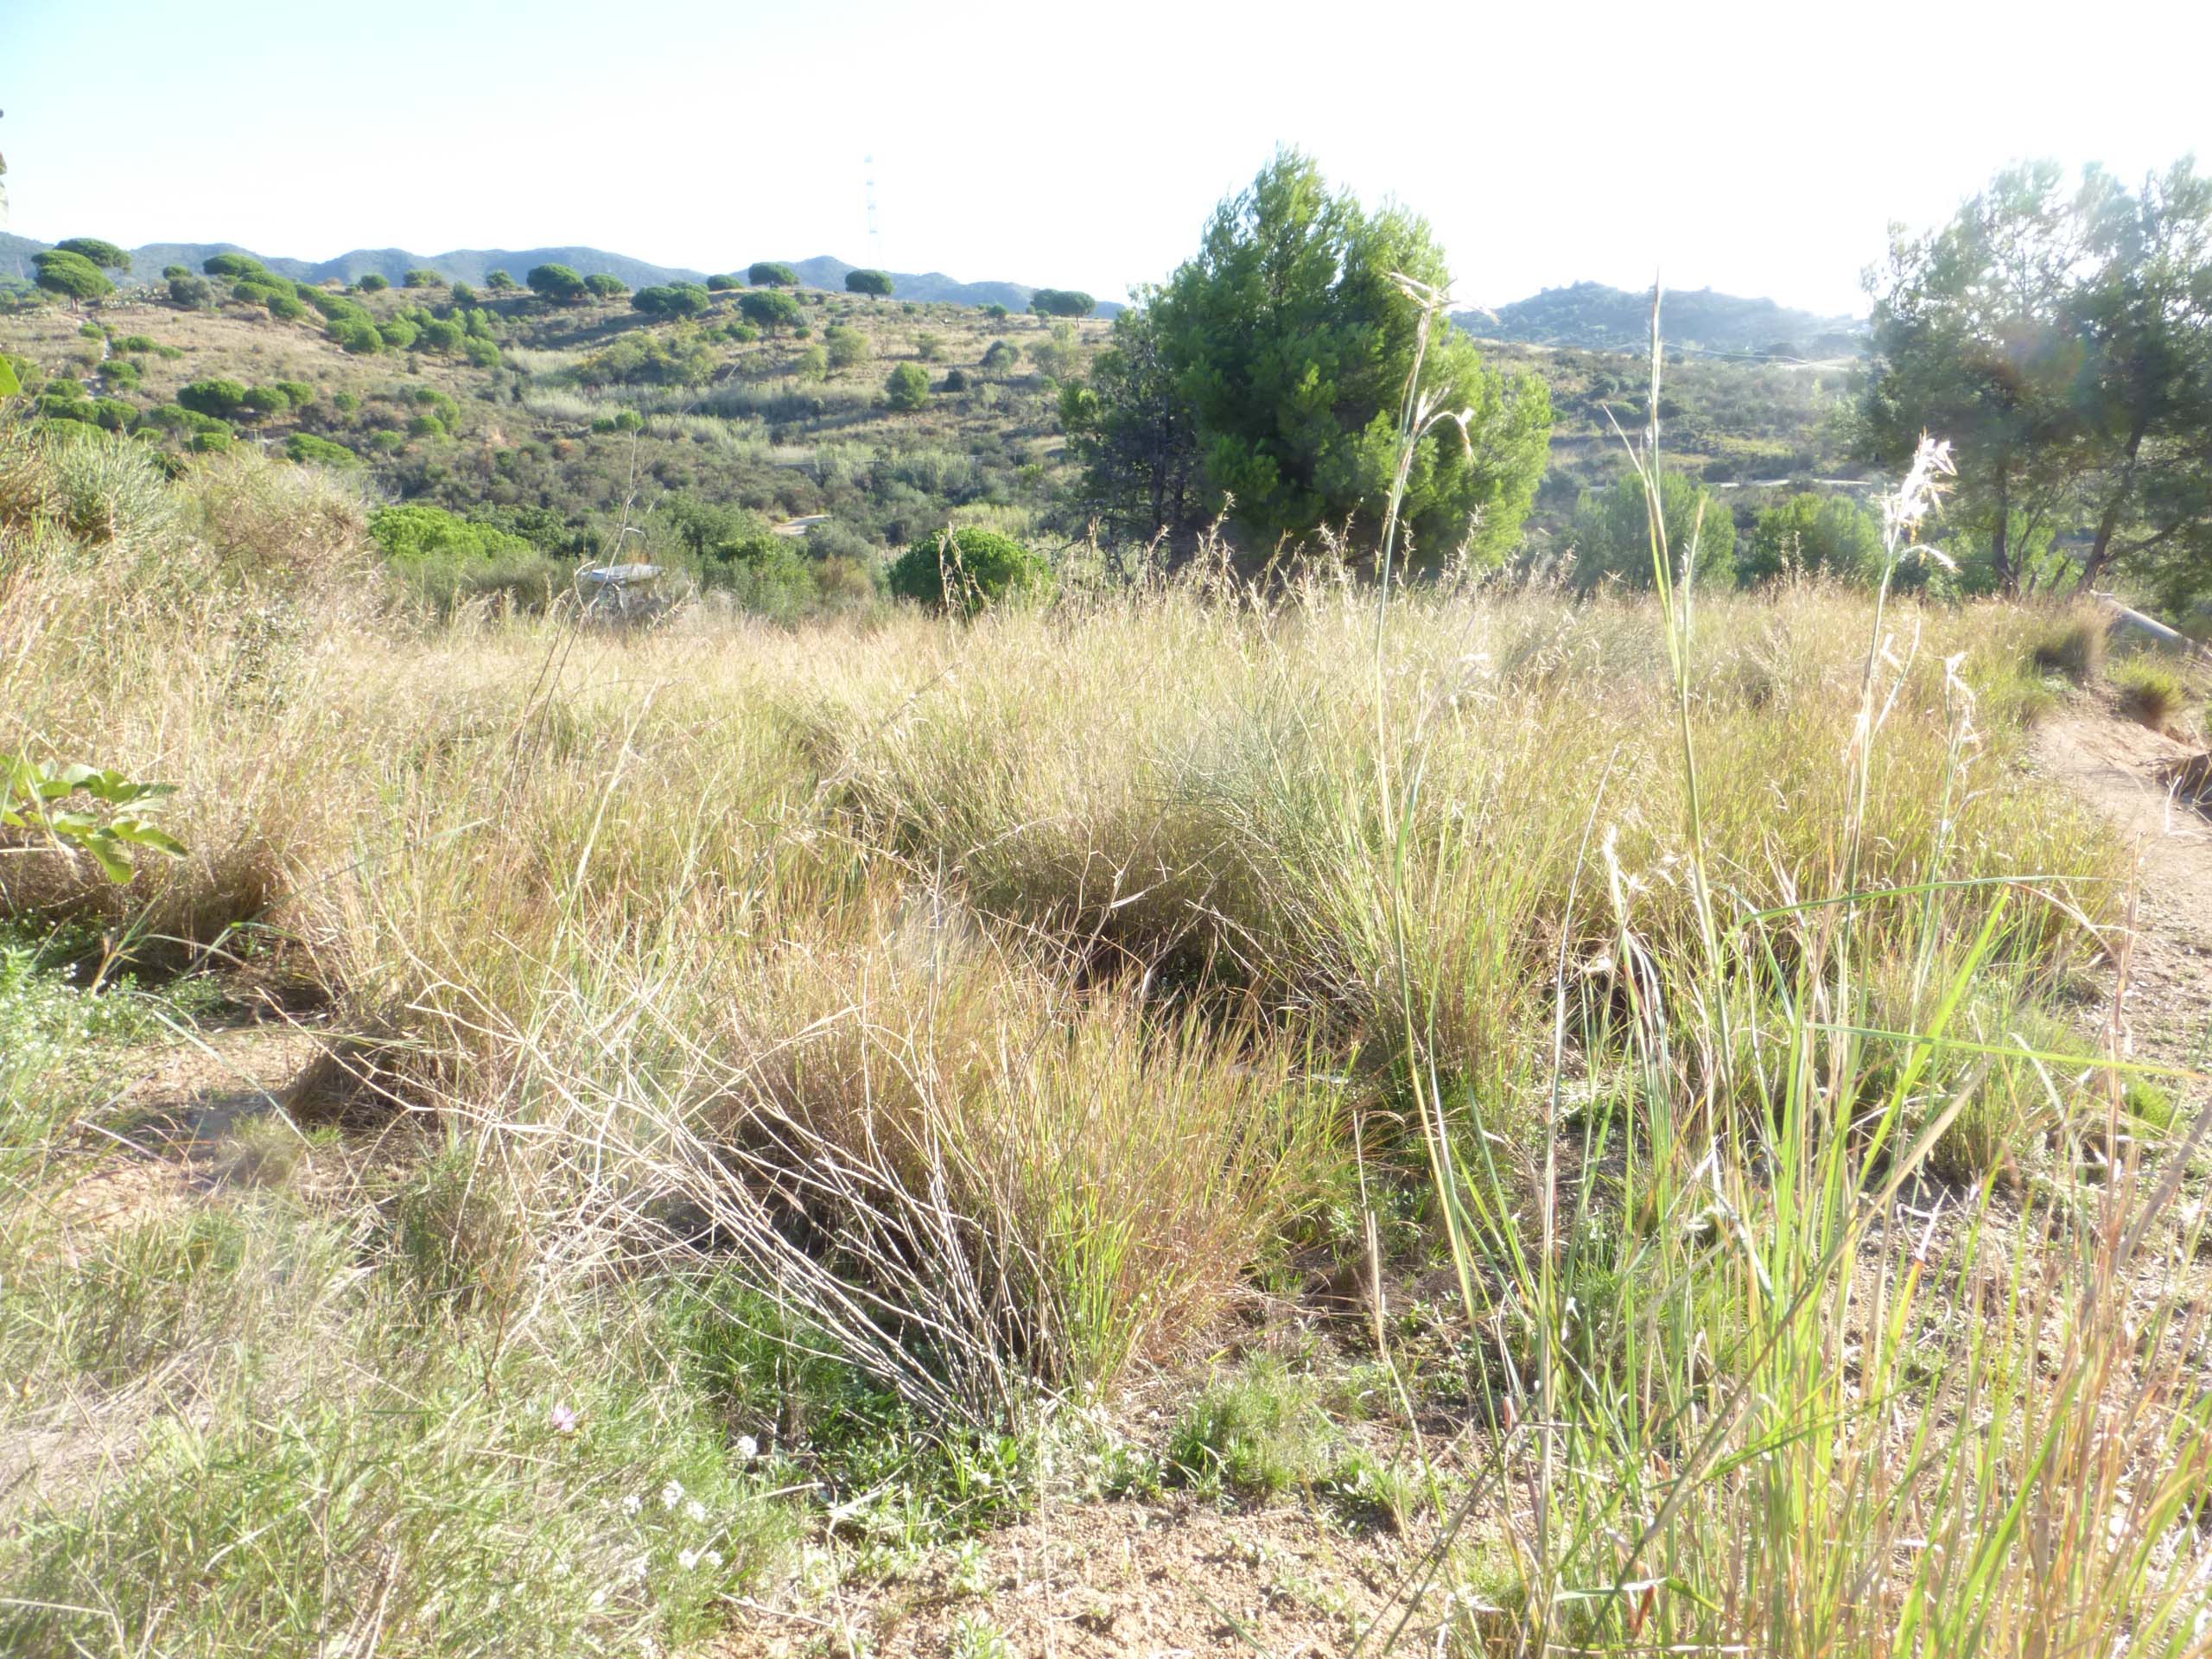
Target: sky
1758,149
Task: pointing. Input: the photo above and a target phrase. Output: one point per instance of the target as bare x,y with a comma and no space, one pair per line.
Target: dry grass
998,1001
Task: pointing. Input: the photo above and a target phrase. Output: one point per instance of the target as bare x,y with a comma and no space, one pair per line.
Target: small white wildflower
671,1495
599,1597
695,1511
747,1448
687,1559
713,1558
631,1504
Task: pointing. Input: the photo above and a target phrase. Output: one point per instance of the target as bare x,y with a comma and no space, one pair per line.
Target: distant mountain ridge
473,264
1596,317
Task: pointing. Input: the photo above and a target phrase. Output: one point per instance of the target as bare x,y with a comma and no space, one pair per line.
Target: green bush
997,311
417,535
500,282
305,447
193,293
1612,533
558,283
876,284
847,346
264,400
813,364
423,277
908,388
671,300
769,308
1830,534
771,273
1001,356
398,333
233,266
358,336
606,286
219,398
374,284
722,284
463,293
135,343
970,568
439,334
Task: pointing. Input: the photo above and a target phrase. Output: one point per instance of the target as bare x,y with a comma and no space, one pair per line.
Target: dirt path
2113,764
164,1135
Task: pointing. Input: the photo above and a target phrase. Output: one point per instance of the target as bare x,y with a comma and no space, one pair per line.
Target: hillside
1596,317
474,264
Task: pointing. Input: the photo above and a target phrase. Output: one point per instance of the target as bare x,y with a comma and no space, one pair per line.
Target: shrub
976,566
135,343
481,354
997,311
219,398
298,393
928,348
305,447
847,346
722,283
416,536
498,281
557,284
193,293
956,381
606,286
1830,534
374,284
439,334
671,300
908,388
769,308
357,335
2151,692
463,293
423,277
233,266
813,364
876,284
1612,533
1001,355
771,273
264,400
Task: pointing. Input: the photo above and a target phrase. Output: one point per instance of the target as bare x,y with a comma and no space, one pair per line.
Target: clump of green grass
2151,692
2072,643
1256,1433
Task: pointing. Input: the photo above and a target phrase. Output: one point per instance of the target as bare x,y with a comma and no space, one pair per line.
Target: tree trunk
2000,558
2100,549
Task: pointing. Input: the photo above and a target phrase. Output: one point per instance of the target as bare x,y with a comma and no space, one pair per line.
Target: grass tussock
2151,692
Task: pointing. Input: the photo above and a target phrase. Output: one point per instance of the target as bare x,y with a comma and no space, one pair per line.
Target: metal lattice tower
875,229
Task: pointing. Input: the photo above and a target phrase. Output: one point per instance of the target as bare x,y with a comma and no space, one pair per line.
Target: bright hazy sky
1078,144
